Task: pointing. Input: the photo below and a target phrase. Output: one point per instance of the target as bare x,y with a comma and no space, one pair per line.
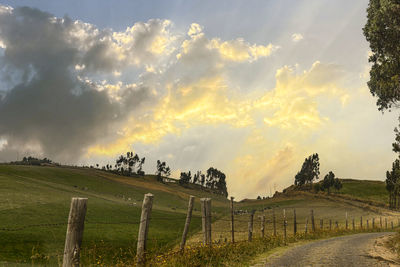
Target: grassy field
333,207
366,190
34,206
32,196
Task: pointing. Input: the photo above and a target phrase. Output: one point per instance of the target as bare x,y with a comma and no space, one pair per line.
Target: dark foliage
309,171
382,31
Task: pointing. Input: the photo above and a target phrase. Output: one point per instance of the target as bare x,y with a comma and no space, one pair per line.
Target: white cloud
297,37
3,143
195,29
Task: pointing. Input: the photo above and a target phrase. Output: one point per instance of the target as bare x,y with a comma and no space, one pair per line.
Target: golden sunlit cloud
291,104
294,100
237,50
196,93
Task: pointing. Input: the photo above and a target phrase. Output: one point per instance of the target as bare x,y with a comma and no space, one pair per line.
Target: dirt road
351,250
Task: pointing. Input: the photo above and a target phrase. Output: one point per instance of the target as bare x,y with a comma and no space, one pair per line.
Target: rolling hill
34,206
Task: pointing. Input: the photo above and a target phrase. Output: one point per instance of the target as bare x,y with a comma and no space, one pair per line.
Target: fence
239,226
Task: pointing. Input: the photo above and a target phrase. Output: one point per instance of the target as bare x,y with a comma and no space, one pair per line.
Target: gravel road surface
351,250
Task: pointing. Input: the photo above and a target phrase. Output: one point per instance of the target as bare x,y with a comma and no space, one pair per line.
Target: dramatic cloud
254,109
50,109
67,90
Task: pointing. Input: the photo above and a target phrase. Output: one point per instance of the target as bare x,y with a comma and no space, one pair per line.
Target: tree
393,184
216,180
202,179
396,144
140,167
196,177
309,171
337,184
162,169
328,182
382,31
127,165
185,178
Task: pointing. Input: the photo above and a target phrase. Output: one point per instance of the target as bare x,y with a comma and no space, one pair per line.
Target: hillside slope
374,191
34,206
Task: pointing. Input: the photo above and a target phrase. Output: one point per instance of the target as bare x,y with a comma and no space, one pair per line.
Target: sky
249,87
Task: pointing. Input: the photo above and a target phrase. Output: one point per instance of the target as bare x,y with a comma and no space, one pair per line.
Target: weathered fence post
305,231
330,224
367,225
232,221
321,224
361,227
203,202
391,224
294,222
73,239
250,224
312,221
263,225
187,223
373,223
208,216
144,229
380,221
284,225
274,221
347,223
354,225
386,223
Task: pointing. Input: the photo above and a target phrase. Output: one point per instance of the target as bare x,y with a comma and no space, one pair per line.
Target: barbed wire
278,222
19,228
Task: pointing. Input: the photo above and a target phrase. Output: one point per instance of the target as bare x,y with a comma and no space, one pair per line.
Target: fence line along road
76,222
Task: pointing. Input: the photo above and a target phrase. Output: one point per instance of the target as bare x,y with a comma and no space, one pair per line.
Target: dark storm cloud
49,107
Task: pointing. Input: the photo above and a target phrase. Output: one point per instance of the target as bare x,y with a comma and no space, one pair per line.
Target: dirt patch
381,250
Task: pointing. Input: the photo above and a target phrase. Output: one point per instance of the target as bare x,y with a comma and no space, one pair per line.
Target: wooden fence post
391,224
380,221
274,221
294,222
361,227
203,202
250,224
347,223
373,223
312,221
232,221
367,225
354,225
144,229
263,225
208,213
305,231
284,225
330,224
321,224
385,223
73,239
187,223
